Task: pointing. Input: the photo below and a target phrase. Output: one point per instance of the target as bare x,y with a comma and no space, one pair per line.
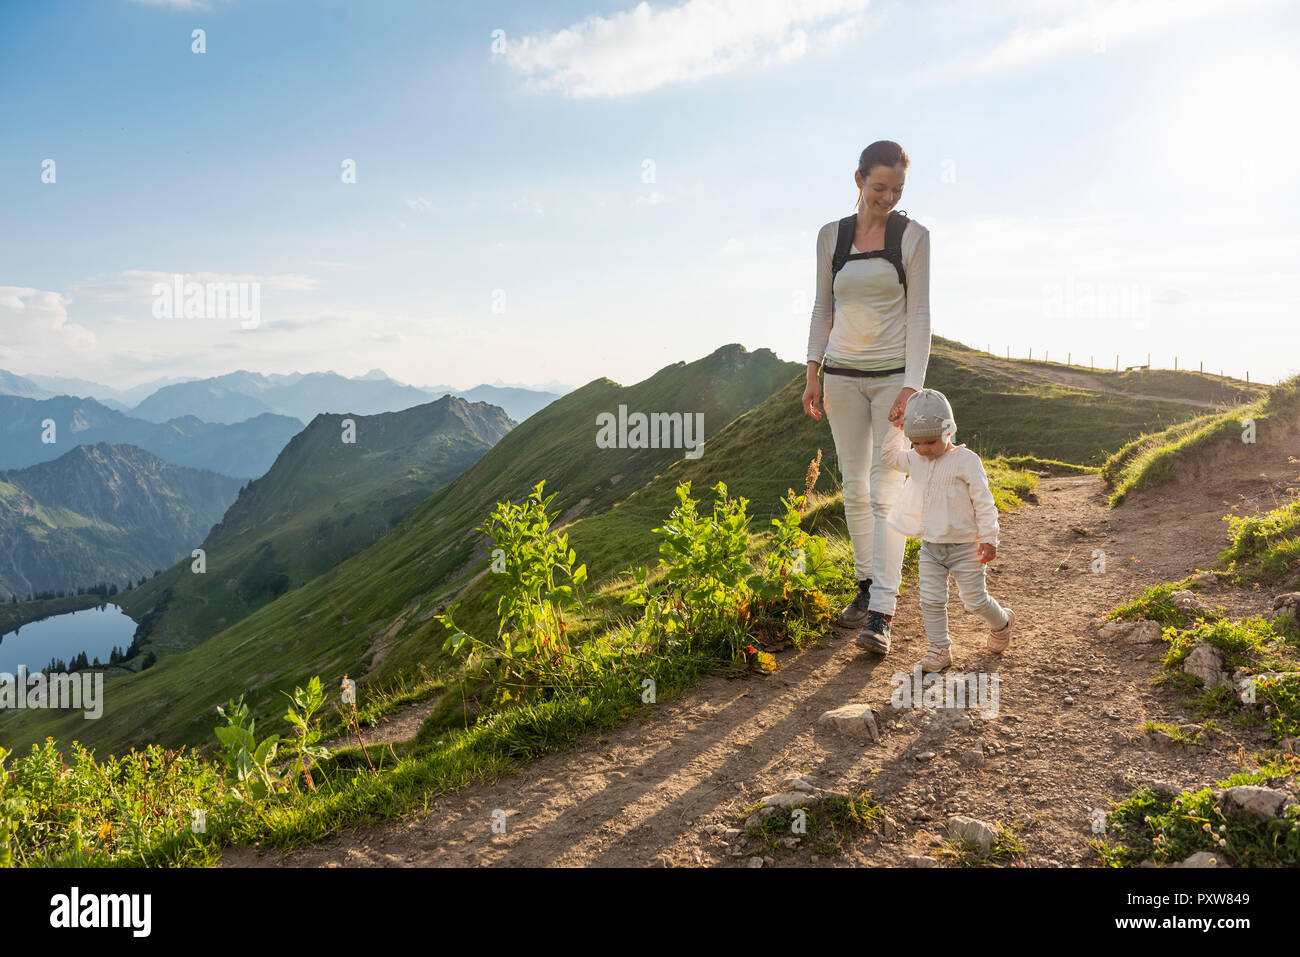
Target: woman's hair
882,153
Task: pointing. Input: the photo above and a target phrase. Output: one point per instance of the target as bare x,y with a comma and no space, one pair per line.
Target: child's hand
985,552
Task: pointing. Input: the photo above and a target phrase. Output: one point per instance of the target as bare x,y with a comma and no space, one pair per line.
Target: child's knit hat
928,416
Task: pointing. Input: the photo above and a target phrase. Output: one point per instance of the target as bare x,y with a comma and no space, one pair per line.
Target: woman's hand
985,552
896,410
812,397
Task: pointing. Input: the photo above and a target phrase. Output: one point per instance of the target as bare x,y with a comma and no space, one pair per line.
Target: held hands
986,552
896,410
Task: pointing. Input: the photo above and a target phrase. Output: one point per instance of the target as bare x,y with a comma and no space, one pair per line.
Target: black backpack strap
895,226
894,229
843,243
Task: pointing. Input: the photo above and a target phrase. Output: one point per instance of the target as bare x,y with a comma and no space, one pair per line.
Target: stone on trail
1205,662
855,719
970,829
797,782
920,860
1143,632
1189,601
1252,799
1203,859
791,799
1287,606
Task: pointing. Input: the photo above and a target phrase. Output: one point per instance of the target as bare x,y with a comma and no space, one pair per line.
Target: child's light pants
935,563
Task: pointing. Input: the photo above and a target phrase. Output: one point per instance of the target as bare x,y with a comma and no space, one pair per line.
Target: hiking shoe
937,658
998,640
874,635
855,611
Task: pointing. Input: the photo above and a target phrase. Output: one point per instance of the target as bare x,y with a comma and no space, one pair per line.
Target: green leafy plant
533,570
304,703
135,809
248,760
794,567
704,572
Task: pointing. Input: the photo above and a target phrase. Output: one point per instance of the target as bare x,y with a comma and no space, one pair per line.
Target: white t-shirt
874,324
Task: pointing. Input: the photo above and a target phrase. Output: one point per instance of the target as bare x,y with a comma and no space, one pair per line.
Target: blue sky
1098,178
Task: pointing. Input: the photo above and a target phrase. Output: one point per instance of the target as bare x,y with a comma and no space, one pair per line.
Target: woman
875,358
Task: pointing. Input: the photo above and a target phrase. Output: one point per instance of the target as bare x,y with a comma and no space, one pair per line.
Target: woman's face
882,188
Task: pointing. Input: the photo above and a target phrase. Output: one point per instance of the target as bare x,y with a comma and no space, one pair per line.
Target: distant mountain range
323,501
49,386
109,513
239,396
243,450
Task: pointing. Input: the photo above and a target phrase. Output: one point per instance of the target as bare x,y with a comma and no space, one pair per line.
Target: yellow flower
106,830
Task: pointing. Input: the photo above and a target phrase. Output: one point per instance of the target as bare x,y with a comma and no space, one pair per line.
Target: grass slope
345,619
323,501
1155,457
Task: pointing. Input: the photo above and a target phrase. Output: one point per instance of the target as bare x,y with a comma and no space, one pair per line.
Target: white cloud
645,48
1092,28
38,317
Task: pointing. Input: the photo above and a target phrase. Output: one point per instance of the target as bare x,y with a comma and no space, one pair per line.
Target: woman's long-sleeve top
876,326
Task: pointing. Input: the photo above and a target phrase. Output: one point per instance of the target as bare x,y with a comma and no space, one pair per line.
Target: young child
947,504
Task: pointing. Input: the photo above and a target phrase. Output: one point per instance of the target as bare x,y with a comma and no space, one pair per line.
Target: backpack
893,250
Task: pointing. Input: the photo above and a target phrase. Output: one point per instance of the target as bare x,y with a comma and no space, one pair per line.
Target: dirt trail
642,794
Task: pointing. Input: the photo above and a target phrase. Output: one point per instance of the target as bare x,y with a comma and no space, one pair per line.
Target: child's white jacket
946,500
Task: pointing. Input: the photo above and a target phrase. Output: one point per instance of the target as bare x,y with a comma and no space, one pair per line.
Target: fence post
1175,363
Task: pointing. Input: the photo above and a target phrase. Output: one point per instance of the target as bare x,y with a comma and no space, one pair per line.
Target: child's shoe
998,640
937,658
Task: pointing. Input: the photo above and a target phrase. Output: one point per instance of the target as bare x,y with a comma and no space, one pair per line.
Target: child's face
931,448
